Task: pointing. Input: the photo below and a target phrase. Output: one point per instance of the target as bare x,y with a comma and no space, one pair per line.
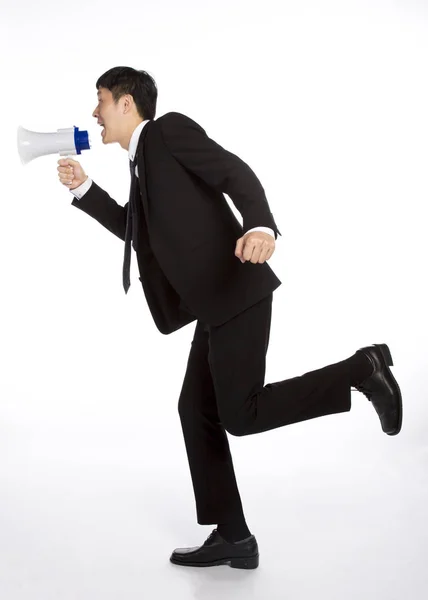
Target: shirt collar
134,139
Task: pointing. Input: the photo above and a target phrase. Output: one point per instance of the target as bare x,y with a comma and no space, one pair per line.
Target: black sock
234,531
360,367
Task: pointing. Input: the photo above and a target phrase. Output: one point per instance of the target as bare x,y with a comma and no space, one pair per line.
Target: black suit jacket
187,232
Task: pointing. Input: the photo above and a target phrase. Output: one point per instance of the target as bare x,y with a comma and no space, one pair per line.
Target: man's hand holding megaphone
70,173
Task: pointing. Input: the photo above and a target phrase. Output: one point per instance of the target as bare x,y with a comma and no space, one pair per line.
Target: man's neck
125,145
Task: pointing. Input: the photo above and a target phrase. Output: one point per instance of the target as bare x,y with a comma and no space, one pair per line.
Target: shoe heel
251,562
386,353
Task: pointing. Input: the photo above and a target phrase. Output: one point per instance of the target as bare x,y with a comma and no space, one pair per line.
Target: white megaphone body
32,144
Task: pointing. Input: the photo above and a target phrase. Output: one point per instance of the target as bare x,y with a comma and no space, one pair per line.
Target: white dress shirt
82,189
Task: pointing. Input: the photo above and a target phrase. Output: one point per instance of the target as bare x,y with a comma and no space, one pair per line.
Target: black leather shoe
216,551
382,389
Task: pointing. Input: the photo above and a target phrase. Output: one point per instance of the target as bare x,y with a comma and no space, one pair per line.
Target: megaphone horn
32,144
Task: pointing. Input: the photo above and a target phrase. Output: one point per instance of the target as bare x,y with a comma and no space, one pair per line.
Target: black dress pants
223,390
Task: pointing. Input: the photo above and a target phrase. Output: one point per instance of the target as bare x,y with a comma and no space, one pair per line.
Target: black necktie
128,231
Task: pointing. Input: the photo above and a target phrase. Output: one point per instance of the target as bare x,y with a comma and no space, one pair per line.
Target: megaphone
32,144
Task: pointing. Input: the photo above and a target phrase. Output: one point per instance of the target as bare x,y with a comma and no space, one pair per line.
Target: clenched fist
70,173
255,246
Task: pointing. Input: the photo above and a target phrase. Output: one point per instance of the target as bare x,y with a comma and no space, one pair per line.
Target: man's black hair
141,86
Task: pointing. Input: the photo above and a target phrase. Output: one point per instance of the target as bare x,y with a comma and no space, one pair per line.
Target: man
197,262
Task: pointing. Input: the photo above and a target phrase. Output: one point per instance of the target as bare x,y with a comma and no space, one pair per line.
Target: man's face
107,114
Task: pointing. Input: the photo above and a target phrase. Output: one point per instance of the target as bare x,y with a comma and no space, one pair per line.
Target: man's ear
127,102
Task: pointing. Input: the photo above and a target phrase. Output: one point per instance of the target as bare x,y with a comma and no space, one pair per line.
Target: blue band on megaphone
81,140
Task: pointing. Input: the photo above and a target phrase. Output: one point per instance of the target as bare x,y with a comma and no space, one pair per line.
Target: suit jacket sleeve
219,168
97,203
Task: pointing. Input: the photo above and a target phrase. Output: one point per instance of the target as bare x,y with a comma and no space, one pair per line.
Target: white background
327,102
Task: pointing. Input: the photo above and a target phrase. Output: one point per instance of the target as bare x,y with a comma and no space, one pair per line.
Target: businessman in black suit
197,263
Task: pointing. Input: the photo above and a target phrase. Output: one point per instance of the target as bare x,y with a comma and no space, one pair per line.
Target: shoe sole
249,562
387,357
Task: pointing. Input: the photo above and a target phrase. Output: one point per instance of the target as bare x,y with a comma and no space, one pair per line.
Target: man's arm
97,203
219,168
81,190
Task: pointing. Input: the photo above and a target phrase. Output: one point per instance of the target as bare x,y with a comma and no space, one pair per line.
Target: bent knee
236,426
